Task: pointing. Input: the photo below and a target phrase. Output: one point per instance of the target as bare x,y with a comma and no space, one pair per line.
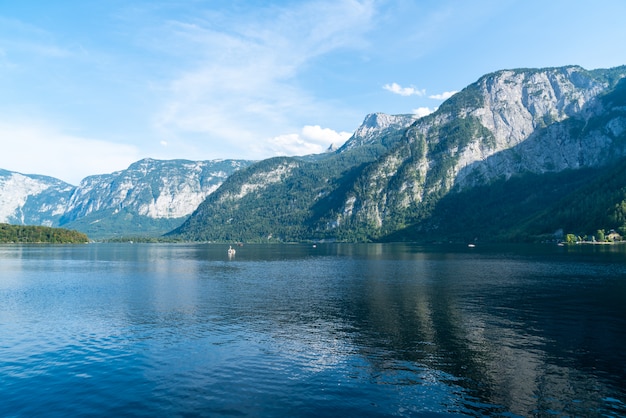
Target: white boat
231,251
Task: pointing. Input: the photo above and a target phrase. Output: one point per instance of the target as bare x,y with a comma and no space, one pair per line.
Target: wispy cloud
443,96
21,39
241,84
412,91
52,153
404,91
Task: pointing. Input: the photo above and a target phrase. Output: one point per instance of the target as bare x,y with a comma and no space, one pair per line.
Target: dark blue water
292,330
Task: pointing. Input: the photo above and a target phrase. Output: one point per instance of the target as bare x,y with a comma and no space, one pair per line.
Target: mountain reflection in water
368,330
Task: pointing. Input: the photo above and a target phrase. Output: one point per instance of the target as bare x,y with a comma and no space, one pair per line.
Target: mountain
32,199
150,197
532,136
379,129
281,198
518,155
506,124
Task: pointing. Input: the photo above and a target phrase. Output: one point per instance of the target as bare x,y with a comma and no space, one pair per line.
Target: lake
312,331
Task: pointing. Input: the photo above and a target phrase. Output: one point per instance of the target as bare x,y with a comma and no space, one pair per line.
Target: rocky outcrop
507,123
32,199
544,121
378,128
153,188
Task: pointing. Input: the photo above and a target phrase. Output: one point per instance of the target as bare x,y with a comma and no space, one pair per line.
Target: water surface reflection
363,330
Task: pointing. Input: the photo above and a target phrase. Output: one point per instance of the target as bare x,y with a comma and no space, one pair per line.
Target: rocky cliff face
152,189
31,199
377,127
544,121
507,123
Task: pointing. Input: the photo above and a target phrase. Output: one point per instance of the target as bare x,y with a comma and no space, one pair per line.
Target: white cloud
36,149
443,96
310,140
324,136
403,91
240,85
423,111
293,144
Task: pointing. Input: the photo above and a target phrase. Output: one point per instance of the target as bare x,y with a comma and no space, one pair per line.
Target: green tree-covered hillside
518,155
39,234
529,207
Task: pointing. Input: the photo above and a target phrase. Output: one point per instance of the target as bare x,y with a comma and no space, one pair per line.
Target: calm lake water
293,330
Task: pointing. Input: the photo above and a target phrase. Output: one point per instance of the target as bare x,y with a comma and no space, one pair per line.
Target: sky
89,87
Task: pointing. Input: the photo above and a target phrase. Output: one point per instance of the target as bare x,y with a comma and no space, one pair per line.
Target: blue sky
88,87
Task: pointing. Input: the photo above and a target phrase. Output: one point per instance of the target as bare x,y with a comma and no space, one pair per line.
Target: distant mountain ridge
153,188
150,196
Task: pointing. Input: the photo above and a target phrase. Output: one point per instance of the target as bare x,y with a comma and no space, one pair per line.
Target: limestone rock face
152,188
507,123
541,120
31,199
376,126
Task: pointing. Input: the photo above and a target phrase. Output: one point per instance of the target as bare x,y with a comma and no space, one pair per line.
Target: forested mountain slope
525,125
507,124
283,198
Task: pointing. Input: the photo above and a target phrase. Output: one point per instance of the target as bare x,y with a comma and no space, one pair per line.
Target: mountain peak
376,126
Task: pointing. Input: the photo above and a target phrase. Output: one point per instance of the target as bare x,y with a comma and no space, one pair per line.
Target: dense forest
39,234
529,208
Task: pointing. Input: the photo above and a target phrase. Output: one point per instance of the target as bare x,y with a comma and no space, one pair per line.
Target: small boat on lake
231,251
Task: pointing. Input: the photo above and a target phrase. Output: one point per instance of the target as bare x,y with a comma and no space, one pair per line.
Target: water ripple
166,330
